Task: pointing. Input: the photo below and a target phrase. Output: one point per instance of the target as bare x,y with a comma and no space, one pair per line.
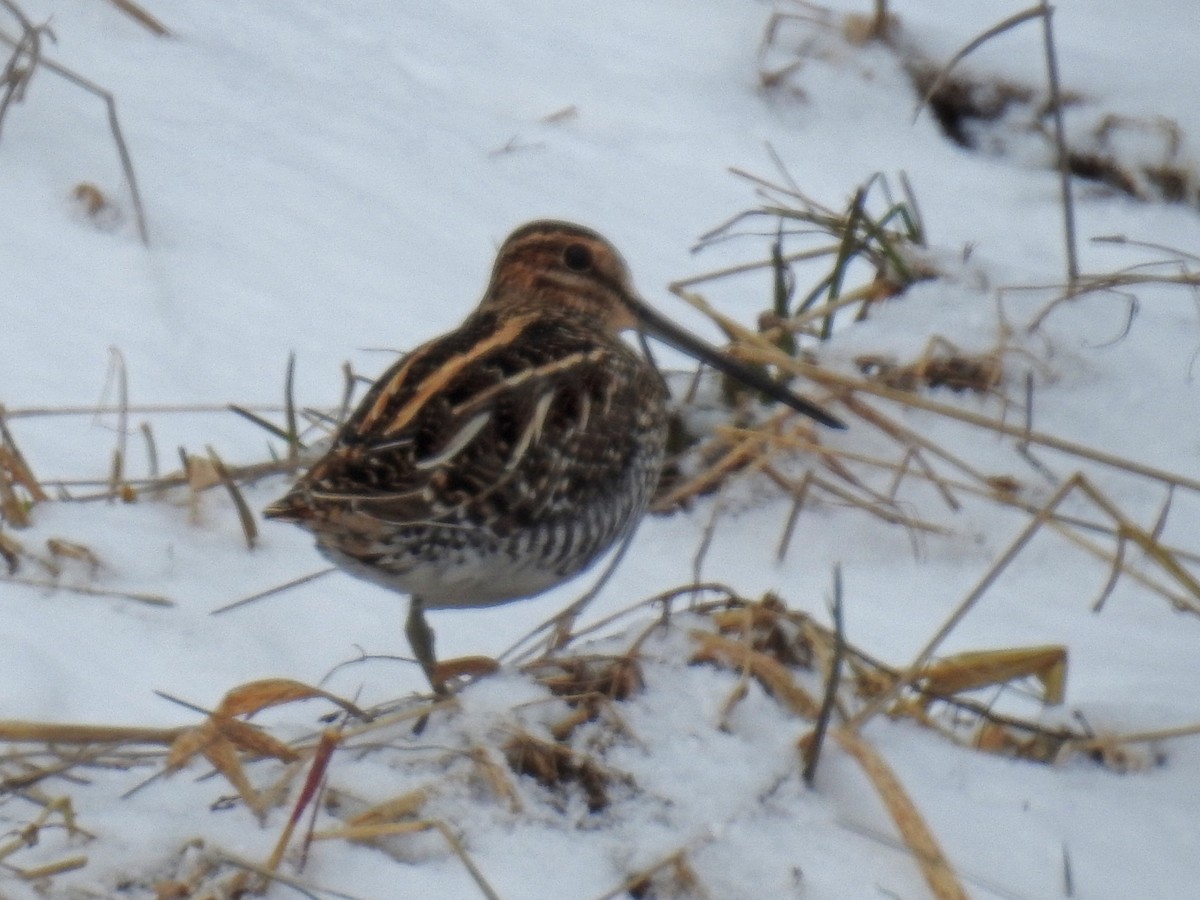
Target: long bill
685,342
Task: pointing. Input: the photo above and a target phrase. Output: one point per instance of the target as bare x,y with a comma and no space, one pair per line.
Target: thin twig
1060,142
114,125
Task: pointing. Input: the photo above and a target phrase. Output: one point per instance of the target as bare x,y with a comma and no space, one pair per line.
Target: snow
334,181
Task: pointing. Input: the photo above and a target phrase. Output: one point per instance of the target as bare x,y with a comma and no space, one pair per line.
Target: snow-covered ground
334,181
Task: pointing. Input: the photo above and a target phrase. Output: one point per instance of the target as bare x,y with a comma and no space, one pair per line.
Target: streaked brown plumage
505,457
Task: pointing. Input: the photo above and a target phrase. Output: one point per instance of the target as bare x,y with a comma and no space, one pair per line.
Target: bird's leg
420,638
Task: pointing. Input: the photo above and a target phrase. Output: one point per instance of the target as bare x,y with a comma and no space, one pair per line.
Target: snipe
505,457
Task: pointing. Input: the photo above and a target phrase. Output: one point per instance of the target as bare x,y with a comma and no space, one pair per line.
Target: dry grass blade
881,510
351,382
70,864
1060,143
258,420
465,858
30,834
974,44
1147,541
114,123
497,778
18,70
14,470
271,591
38,764
145,409
69,550
255,696
1066,526
404,806
223,739
196,473
880,506
240,889
556,765
799,495
220,747
117,373
758,265
290,432
149,599
939,874
245,516
710,530
683,880
10,552
13,509
373,831
811,745
219,739
739,455
15,731
770,673
289,404
984,668
1176,253
151,449
1087,745
928,472
912,440
143,18
518,652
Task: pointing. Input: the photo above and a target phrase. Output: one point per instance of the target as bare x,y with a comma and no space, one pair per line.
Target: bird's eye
577,258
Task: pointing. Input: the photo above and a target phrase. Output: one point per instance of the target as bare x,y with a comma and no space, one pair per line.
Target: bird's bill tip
285,509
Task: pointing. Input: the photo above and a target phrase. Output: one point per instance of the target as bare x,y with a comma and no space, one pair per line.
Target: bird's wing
505,421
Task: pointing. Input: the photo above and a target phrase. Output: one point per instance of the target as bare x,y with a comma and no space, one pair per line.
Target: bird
506,456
